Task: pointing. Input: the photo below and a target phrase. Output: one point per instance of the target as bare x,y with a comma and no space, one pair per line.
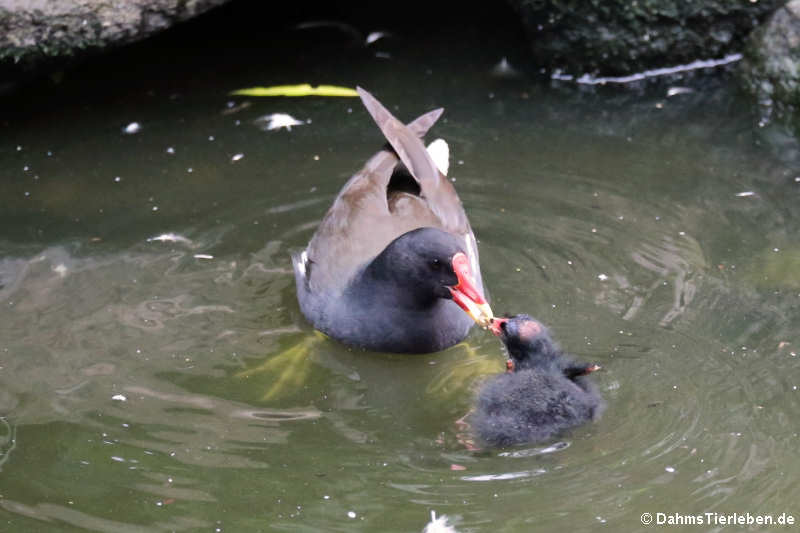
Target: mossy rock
47,34
618,37
771,69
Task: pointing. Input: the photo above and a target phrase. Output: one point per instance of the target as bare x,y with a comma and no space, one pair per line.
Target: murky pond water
157,375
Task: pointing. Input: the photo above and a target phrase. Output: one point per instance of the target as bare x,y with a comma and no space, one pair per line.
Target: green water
138,376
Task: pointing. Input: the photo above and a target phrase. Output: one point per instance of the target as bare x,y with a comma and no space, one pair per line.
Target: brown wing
438,192
360,223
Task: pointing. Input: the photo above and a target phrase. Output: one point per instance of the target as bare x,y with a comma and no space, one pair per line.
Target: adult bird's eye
436,264
503,325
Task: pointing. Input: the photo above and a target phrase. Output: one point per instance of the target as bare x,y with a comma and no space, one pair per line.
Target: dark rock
771,69
619,37
46,32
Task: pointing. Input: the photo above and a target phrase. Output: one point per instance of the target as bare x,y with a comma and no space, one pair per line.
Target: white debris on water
133,127
169,237
675,91
277,121
504,69
119,398
376,36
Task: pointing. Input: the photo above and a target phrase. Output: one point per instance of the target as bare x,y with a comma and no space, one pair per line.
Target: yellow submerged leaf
303,89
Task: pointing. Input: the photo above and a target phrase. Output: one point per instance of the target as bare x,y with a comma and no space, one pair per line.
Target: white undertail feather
301,264
438,525
440,153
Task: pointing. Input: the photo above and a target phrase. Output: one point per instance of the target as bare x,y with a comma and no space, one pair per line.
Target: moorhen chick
393,266
543,393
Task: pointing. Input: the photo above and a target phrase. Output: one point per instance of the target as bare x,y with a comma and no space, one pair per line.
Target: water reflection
57,514
139,349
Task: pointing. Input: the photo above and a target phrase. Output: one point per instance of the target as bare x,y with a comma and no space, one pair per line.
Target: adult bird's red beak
467,295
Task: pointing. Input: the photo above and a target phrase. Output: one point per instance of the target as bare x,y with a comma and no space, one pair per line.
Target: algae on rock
618,37
771,69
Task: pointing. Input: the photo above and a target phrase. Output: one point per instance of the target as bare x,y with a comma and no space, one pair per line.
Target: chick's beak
466,294
593,368
495,325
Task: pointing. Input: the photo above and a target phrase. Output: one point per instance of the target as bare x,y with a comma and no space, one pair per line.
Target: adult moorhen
543,393
394,266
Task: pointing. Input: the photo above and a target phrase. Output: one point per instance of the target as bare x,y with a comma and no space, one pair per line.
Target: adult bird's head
428,264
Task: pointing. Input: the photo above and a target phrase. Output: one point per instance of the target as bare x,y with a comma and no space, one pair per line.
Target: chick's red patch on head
529,329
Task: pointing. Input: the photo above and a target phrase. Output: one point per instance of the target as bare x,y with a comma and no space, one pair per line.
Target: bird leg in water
459,372
574,371
290,367
464,433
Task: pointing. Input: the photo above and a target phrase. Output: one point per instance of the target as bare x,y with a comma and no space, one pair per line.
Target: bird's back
531,406
370,211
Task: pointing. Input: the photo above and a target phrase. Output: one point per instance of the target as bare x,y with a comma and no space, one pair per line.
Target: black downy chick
544,392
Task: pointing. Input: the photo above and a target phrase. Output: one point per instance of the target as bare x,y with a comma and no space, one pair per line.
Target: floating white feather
438,525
